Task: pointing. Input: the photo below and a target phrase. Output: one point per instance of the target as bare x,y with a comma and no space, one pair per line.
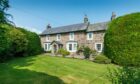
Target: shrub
86,52
15,42
4,43
102,59
19,43
125,75
122,40
63,52
94,53
34,44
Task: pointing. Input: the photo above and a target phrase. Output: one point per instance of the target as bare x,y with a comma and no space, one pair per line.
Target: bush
125,75
63,52
102,59
19,43
4,43
34,44
15,42
86,52
122,40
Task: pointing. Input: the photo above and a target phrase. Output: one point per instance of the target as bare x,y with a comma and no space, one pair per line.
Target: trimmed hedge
34,43
17,42
122,40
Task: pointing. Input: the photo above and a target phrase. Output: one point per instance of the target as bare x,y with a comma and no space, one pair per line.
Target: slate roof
97,26
76,27
64,29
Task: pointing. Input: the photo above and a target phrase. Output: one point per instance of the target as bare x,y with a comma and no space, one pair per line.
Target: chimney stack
113,16
48,26
86,19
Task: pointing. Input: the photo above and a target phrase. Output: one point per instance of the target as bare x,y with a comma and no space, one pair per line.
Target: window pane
48,37
98,47
48,47
58,36
75,46
70,46
71,36
45,46
90,35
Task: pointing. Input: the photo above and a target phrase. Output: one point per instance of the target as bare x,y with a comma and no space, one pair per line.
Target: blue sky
34,15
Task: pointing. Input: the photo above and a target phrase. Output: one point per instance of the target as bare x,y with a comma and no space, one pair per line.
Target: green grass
43,69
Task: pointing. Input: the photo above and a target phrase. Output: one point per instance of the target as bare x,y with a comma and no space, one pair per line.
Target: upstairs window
98,47
58,37
71,36
48,38
90,36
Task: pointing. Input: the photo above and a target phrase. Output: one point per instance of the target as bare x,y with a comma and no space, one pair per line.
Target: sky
34,15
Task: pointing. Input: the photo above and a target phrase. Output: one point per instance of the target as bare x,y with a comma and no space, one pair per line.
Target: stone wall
80,37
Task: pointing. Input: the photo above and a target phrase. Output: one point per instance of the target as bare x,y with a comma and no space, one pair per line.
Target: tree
4,6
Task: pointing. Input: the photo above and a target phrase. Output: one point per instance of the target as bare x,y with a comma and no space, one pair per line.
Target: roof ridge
67,25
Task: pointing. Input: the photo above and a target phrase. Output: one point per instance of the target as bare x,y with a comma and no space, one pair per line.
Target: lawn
43,69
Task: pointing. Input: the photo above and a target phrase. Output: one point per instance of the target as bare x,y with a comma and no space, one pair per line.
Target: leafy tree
4,6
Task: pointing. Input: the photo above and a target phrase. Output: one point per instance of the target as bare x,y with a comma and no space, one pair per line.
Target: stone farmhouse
72,36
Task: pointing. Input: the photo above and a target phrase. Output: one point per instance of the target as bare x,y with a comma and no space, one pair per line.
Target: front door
55,48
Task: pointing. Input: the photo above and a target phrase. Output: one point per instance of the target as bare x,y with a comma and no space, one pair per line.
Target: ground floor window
72,46
98,47
47,46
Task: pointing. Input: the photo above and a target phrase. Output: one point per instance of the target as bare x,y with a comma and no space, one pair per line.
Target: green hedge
122,40
34,43
4,43
17,42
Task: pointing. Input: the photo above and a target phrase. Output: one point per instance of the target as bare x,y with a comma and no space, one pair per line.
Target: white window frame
48,47
74,48
71,35
57,37
47,37
101,47
91,36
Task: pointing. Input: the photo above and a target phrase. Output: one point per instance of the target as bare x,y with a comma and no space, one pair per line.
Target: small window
47,47
98,47
90,36
58,37
47,38
71,36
